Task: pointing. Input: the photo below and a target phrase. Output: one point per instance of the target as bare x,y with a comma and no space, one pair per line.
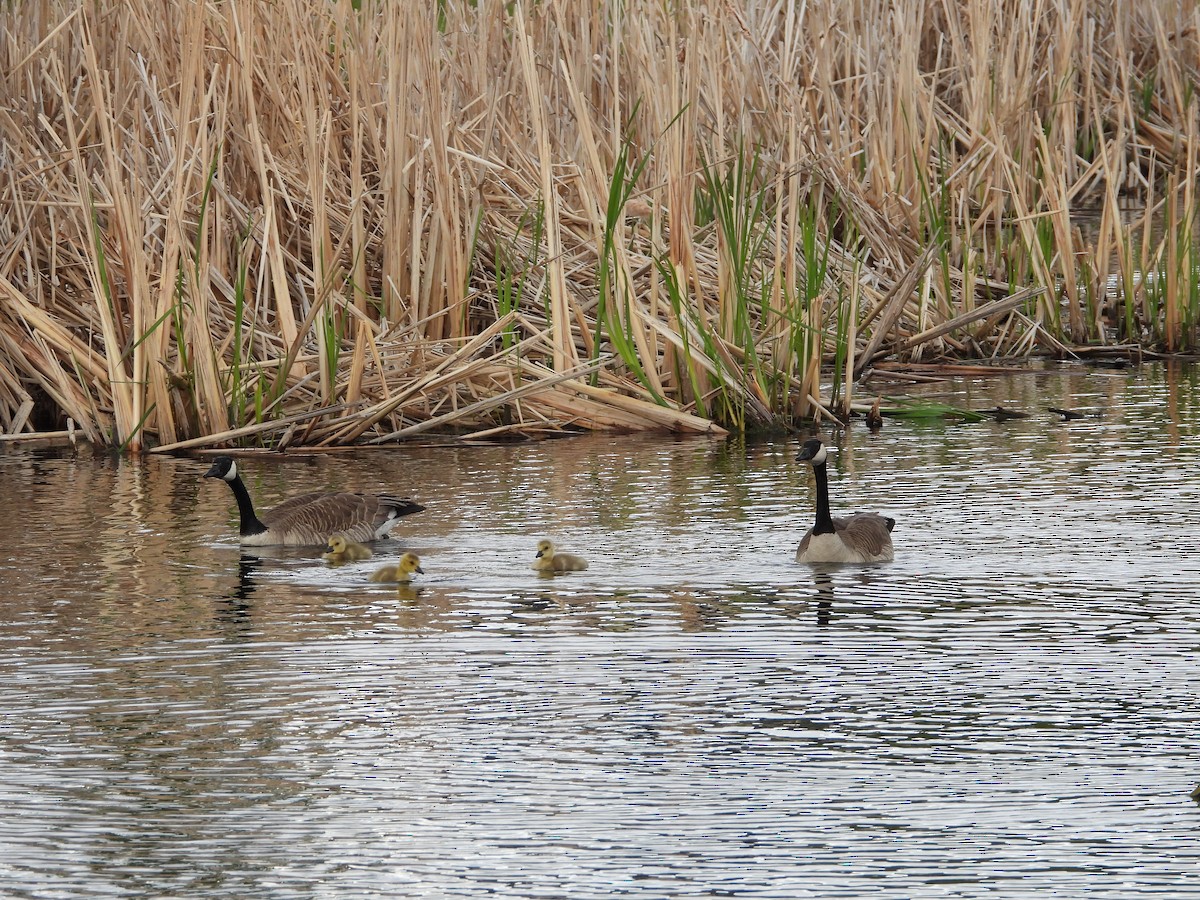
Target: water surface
1005,710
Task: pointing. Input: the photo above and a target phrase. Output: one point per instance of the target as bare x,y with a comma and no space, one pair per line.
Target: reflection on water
695,715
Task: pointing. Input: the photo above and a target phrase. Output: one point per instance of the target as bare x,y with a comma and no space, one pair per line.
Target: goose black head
223,467
812,451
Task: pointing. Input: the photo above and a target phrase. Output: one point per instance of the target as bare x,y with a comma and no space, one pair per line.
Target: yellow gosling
341,550
549,561
402,573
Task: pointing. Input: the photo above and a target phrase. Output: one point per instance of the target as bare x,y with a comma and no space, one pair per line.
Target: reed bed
318,222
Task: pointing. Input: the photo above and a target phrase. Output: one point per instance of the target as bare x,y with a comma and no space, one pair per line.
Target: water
1004,711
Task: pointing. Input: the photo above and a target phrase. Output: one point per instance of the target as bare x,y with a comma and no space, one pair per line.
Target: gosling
341,550
549,561
402,573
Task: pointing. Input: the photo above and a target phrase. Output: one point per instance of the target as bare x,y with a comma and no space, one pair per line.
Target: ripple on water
1001,711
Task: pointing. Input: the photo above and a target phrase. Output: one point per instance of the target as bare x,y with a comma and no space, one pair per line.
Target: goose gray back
309,519
858,538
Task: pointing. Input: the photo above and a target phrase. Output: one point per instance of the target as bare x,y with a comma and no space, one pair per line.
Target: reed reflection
700,613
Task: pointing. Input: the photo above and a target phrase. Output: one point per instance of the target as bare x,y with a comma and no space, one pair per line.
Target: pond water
1004,710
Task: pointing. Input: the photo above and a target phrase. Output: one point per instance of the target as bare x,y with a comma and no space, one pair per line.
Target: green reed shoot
722,403
331,344
1127,291
684,313
235,386
1045,246
1190,290
105,289
813,273
842,312
1180,260
512,271
613,287
742,217
742,214
937,226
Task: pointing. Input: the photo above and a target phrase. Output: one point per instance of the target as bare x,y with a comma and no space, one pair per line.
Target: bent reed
324,223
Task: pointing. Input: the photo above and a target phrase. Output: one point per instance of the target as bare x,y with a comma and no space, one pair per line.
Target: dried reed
324,223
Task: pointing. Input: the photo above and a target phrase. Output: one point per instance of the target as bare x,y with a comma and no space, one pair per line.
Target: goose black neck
249,521
824,519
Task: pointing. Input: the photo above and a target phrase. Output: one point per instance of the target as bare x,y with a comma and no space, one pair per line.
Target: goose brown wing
311,518
283,509
869,532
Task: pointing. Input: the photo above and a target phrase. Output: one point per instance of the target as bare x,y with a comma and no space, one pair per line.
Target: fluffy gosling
341,550
549,561
401,573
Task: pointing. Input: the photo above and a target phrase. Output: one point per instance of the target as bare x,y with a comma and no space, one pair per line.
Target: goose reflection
824,597
236,607
248,567
537,602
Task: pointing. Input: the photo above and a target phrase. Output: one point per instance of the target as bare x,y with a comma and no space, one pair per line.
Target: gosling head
545,548
410,563
812,452
337,544
223,467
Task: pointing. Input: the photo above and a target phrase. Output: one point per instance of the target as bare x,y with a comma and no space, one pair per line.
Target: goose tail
402,505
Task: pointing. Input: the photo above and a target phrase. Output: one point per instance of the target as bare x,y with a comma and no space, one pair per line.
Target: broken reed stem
995,308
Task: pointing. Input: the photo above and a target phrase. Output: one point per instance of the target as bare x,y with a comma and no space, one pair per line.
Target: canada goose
401,573
341,550
307,520
549,561
860,538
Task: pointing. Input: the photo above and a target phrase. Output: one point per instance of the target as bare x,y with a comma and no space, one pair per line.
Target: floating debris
1069,414
874,417
1000,414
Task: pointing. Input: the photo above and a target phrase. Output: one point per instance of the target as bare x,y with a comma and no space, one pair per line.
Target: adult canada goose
549,561
309,519
341,550
860,538
402,573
